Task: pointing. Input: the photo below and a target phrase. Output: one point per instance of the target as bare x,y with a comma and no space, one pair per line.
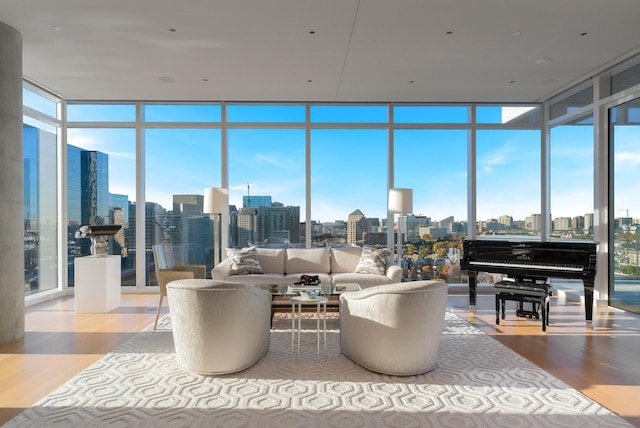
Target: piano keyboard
567,268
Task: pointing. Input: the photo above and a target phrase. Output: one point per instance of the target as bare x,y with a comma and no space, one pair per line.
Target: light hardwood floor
603,363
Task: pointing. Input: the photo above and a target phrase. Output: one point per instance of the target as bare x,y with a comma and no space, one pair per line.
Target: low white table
296,315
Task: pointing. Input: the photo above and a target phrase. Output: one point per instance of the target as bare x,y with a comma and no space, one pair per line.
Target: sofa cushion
255,279
372,261
272,260
345,259
243,261
307,260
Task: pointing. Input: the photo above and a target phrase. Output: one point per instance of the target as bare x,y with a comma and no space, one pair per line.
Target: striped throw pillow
372,261
244,261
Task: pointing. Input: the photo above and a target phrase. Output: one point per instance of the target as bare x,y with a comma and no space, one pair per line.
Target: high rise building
272,221
94,187
375,224
376,239
532,222
577,222
357,225
409,227
154,233
190,247
250,201
247,226
562,223
188,204
588,222
119,214
197,249
264,222
422,220
507,220
87,198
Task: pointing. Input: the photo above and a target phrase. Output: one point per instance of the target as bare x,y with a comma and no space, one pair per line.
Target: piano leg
588,302
472,291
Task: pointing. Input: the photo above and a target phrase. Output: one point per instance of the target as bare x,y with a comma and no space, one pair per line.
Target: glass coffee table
281,295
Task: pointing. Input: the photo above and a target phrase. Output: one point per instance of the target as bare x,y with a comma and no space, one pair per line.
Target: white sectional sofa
332,265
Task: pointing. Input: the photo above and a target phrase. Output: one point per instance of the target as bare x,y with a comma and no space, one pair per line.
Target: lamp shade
216,200
401,200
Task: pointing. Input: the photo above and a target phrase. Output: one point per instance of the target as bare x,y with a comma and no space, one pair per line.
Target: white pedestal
97,284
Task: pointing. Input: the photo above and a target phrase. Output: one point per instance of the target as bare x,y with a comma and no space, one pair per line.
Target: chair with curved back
167,271
394,329
218,327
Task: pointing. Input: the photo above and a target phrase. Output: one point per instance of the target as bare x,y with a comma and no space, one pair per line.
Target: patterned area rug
478,382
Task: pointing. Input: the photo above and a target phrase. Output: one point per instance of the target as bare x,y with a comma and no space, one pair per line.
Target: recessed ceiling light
543,61
166,79
516,33
55,27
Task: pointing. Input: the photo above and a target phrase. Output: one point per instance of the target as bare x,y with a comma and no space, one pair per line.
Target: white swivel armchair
167,271
394,329
218,327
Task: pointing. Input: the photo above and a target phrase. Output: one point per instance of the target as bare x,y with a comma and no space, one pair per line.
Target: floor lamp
400,202
216,202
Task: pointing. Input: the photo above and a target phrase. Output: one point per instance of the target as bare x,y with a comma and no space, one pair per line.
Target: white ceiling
361,50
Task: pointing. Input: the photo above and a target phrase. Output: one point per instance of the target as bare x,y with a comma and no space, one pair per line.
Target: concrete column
11,187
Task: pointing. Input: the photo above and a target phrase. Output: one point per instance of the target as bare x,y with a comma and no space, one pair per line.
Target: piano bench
538,296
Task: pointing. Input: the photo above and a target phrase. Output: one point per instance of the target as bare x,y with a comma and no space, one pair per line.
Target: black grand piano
530,261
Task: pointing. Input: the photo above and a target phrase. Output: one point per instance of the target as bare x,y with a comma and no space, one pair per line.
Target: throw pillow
244,261
372,261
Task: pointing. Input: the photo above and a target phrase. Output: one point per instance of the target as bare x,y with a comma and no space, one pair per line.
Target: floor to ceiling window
348,186
40,193
433,163
349,174
508,182
179,164
571,186
267,175
101,180
624,206
508,166
571,183
267,187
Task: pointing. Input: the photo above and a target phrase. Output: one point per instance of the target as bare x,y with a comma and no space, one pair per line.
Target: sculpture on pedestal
99,237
